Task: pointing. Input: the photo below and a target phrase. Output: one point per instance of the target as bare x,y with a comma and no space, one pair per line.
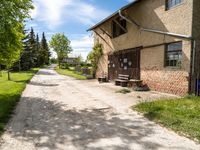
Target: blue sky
73,18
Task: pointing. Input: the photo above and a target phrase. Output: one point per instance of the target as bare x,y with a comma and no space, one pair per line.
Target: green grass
10,92
181,115
71,73
124,91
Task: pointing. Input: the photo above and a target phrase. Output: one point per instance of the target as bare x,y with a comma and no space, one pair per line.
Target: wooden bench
134,83
103,78
122,80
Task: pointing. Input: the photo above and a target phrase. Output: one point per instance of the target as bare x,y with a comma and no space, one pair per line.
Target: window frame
115,35
173,51
171,7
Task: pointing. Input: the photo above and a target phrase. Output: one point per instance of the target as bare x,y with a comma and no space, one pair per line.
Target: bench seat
122,80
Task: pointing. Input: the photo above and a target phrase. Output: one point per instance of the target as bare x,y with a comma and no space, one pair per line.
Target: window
118,27
172,3
173,56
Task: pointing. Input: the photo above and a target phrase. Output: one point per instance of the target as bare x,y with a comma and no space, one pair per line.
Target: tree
32,47
94,56
37,51
28,56
12,17
79,59
25,54
44,51
61,45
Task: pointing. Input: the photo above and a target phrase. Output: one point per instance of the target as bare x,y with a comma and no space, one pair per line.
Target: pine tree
37,51
44,51
32,46
25,59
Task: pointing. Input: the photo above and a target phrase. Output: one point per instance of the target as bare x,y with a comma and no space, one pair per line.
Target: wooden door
124,62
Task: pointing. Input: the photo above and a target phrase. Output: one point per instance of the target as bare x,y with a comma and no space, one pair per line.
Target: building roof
112,15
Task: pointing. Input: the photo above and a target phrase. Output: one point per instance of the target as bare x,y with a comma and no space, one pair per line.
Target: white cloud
51,15
82,46
56,12
83,42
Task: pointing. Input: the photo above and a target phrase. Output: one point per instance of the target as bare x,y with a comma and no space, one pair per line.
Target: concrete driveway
61,113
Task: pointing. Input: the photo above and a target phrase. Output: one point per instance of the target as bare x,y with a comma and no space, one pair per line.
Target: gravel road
61,113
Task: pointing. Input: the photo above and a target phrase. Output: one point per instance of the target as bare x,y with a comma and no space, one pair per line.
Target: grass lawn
181,115
10,92
71,73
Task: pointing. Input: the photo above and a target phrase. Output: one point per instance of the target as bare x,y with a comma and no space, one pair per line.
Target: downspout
193,56
152,30
128,20
193,68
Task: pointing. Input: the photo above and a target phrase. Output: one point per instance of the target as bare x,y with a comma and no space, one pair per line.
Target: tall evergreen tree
44,51
32,46
25,55
37,50
28,56
25,58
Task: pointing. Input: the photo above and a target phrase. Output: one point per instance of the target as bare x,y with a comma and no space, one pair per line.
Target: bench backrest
123,77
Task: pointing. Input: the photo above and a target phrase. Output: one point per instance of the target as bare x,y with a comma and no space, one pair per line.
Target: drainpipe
193,67
152,30
193,56
128,20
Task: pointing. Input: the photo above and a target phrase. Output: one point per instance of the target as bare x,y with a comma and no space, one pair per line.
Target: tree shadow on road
42,84
53,125
45,72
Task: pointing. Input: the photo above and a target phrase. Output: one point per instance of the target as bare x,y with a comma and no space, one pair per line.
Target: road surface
61,113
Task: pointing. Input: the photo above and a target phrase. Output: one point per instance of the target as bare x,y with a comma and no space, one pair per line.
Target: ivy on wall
94,56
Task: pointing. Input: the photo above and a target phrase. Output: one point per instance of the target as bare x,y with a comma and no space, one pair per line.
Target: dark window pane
172,3
173,54
117,30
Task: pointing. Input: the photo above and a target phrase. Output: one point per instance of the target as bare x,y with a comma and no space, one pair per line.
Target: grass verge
181,115
124,91
10,93
71,73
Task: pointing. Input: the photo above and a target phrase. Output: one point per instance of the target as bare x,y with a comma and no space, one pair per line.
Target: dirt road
60,113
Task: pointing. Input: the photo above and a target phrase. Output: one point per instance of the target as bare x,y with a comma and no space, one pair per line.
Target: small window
172,3
173,56
118,27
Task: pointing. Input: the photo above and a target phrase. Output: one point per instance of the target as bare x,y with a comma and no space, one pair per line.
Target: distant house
157,41
70,60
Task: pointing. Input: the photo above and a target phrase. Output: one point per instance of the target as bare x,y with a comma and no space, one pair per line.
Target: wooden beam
120,25
103,39
105,32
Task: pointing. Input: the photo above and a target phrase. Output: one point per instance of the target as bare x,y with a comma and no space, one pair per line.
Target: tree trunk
0,72
9,75
59,64
19,65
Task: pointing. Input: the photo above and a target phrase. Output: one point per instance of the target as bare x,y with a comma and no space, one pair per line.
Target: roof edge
112,15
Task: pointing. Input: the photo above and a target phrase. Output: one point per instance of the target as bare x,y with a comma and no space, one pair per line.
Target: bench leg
117,83
124,84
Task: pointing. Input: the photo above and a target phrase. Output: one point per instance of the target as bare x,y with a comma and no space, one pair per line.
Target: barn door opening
124,62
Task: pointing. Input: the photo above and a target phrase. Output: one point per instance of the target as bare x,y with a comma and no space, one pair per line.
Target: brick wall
165,79
168,81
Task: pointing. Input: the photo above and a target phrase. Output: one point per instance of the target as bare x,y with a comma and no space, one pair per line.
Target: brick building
157,41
